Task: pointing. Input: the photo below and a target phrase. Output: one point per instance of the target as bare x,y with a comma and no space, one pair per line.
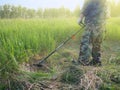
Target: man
93,14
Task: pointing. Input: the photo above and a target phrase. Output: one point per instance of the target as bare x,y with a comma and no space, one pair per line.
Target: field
25,41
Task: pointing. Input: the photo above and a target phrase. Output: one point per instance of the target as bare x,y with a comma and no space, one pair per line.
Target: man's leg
96,46
85,51
96,54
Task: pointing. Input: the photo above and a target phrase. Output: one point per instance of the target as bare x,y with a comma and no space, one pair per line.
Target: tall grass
19,36
113,29
20,39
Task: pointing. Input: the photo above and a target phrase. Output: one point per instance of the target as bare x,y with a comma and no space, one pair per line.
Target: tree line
11,11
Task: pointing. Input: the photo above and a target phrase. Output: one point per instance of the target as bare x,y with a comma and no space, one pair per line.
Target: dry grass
90,81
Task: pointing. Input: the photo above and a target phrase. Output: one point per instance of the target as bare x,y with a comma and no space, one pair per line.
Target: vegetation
11,11
22,39
27,35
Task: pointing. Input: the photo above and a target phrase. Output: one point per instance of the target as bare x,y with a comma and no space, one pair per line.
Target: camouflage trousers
90,46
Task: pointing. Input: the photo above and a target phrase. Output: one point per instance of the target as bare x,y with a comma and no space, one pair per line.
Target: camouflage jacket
94,11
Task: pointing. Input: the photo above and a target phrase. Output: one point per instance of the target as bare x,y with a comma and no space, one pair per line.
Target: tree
19,9
62,11
6,11
13,13
77,11
68,13
114,8
31,13
40,13
1,11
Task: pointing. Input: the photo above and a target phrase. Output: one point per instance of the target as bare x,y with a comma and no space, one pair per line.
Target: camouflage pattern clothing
94,13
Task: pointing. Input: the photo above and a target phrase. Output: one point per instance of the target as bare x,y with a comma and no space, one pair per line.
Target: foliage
114,8
20,39
112,29
11,11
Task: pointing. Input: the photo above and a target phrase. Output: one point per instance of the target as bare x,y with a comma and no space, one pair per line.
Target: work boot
91,63
98,63
95,63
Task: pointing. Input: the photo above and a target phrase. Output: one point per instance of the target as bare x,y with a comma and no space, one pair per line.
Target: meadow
21,39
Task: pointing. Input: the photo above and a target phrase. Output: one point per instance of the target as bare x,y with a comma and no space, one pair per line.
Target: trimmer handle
82,24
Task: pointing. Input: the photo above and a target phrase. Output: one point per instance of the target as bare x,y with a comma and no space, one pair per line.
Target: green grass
113,29
21,39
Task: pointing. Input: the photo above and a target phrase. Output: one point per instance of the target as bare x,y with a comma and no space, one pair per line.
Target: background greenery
11,11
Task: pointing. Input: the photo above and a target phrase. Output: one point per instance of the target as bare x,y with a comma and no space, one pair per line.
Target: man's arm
84,11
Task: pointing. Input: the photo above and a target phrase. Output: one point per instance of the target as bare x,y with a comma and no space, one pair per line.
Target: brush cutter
56,49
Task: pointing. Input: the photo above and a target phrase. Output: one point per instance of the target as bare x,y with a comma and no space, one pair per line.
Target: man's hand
80,19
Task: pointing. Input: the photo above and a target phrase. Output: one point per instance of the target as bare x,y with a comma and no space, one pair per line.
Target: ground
106,77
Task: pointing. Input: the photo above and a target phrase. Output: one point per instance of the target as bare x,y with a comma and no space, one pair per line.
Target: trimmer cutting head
38,65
